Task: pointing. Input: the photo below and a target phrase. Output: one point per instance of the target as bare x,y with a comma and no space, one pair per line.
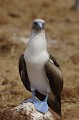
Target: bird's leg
41,106
31,99
45,100
33,94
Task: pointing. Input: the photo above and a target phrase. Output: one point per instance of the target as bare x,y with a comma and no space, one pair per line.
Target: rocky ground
62,31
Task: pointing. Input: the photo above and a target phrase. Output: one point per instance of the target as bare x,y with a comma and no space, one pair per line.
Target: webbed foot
29,100
41,106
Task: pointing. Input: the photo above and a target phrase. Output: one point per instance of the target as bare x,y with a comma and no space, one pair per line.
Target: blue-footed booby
40,72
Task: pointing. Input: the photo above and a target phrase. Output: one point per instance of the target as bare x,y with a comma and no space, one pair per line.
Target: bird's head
38,25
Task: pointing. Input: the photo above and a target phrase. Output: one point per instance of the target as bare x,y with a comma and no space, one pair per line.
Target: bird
40,72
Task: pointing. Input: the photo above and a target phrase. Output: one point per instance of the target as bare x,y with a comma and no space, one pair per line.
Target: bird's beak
40,25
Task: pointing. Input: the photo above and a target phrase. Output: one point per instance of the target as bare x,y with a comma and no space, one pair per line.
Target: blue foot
41,106
31,99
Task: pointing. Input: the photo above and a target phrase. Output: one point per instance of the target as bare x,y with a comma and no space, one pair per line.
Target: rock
26,111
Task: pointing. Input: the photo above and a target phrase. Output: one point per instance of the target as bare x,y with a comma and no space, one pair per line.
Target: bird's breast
36,71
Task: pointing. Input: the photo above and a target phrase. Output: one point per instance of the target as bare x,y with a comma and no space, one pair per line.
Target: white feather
35,57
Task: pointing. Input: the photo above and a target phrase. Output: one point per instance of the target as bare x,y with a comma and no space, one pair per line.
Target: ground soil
62,27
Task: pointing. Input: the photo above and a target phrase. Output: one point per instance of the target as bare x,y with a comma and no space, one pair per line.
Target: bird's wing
54,75
23,72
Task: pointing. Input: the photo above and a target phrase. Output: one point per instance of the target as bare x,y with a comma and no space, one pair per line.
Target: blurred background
62,32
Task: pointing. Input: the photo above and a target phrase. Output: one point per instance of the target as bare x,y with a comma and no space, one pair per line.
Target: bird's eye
35,23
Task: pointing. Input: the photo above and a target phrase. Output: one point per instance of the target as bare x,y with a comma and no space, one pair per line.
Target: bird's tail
55,104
